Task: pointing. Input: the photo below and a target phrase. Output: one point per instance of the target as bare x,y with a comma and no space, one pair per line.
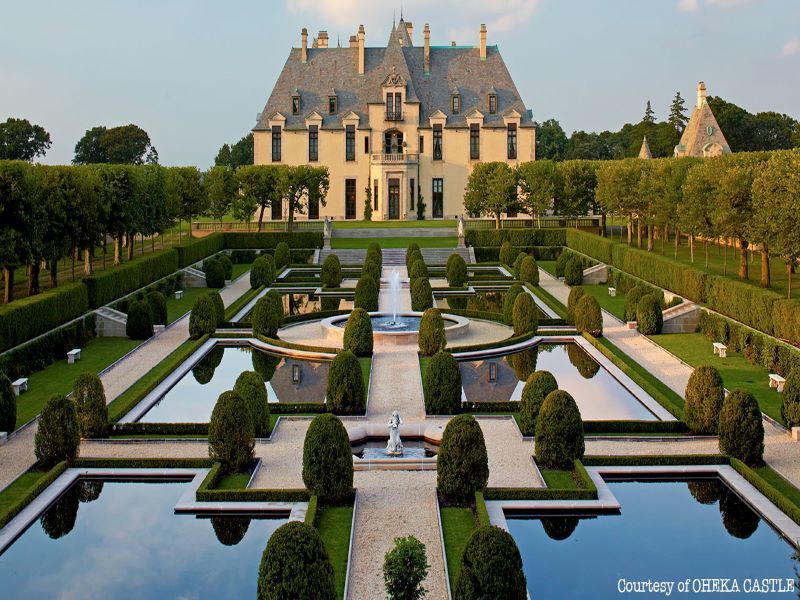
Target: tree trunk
691,246
603,219
117,249
677,241
497,221
630,229
8,278
789,275
261,216
87,262
765,269
725,260
53,272
190,227
705,247
649,238
131,244
33,278
743,270
639,232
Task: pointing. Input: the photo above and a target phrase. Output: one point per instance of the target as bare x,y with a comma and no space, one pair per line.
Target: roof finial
394,19
401,12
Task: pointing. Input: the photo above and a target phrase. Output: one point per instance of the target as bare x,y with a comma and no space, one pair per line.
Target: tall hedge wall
270,239
197,250
590,245
517,237
105,286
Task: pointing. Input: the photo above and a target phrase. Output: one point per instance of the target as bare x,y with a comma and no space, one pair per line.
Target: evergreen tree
677,113
649,115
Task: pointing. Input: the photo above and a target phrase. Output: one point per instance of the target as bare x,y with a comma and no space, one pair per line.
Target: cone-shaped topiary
367,292
90,405
345,394
790,409
525,315
158,306
203,318
358,333
295,564
529,270
537,388
8,405
507,253
585,364
518,264
219,306
58,436
632,299
741,432
331,272
649,318
283,257
704,394
575,294
328,460
376,248
412,248
139,325
573,271
268,315
215,274
456,271
508,303
262,272
559,431
421,294
227,265
588,317
371,269
462,466
405,567
250,387
374,257
231,436
561,263
442,385
418,269
491,567
431,332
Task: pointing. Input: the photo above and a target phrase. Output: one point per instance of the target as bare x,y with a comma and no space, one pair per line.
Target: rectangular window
375,195
398,106
474,141
512,140
389,104
313,143
276,209
366,144
313,208
276,143
492,103
350,142
411,192
331,105
437,198
456,104
350,198
421,145
295,105
437,142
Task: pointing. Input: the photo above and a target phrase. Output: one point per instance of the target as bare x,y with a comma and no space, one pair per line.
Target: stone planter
631,324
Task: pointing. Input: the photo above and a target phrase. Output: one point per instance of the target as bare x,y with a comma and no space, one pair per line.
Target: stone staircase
682,318
595,274
396,256
110,322
193,277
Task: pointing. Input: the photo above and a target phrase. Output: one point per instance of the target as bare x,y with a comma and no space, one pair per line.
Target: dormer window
296,105
492,103
456,104
331,105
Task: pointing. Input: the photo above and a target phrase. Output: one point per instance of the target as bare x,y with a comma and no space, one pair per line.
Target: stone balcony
394,159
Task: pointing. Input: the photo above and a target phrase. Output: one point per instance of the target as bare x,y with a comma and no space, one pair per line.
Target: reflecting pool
112,539
667,531
482,301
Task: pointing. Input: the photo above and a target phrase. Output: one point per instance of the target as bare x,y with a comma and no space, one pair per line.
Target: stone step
390,232
396,256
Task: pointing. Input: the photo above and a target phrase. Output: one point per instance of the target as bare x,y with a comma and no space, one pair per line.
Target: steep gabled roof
644,151
702,134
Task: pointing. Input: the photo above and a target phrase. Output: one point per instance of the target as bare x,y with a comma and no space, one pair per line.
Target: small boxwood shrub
262,272
371,269
367,293
462,466
649,318
421,294
58,436
295,564
632,299
442,385
268,315
345,394
8,405
219,306
139,325
575,294
491,567
158,306
405,567
375,257
375,247
456,271
537,388
203,318
573,271
328,460
90,405
418,269
741,432
215,273
358,333
559,432
413,247
331,272
282,255
529,270
250,387
507,253
790,409
508,302
525,315
518,264
588,317
231,435
561,263
227,265
704,393
431,332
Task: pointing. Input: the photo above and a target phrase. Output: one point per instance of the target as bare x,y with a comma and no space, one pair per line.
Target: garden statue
327,232
395,446
461,231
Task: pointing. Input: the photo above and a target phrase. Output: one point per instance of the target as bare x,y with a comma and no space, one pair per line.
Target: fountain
395,445
394,301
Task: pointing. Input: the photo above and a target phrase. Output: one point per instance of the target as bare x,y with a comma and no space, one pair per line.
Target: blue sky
195,73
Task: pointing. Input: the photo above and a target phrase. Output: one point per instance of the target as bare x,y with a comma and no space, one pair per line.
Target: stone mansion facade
401,121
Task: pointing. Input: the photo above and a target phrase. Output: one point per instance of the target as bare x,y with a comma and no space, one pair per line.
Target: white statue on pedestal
461,231
395,446
327,228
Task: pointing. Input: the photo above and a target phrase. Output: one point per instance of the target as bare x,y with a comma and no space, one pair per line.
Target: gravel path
395,384
510,462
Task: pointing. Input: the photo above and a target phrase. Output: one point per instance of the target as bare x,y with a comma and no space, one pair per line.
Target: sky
194,73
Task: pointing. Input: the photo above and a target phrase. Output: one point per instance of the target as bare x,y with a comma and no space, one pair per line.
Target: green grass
457,525
769,475
366,368
177,308
549,300
737,373
18,488
547,265
392,224
559,480
613,304
239,269
233,481
59,377
393,242
333,524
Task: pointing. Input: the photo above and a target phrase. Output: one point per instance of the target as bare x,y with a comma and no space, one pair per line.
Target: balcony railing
394,158
394,115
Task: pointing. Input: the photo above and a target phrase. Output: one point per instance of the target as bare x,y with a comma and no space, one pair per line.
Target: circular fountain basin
375,449
420,447
402,329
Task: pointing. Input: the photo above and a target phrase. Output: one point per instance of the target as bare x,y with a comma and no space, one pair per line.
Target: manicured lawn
393,242
779,483
696,350
457,525
239,270
550,301
559,480
18,488
177,308
59,377
233,481
333,524
613,304
392,224
366,368
547,265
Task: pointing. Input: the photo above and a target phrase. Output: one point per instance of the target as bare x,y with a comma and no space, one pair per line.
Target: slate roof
696,138
644,151
458,67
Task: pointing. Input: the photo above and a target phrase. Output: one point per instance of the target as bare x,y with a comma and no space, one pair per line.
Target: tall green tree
304,185
677,113
696,209
17,215
578,183
649,114
551,141
221,187
127,144
184,194
491,190
236,155
21,140
261,186
540,184
618,189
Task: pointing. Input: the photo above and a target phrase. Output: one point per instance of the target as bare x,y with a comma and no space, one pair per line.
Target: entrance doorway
394,198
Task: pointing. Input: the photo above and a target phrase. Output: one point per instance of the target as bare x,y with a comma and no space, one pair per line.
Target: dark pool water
667,531
303,304
482,301
126,542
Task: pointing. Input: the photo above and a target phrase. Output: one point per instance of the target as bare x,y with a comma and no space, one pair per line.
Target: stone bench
612,291
776,382
720,349
20,385
73,355
178,294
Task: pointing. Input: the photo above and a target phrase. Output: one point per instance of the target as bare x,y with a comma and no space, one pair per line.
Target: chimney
353,41
701,93
410,30
483,41
427,33
360,49
304,46
322,39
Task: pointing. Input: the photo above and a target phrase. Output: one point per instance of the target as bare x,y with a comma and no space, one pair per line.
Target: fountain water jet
394,301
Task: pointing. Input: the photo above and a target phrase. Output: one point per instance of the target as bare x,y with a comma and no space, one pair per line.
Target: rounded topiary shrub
575,294
523,363
649,318
262,272
525,315
139,325
203,318
358,333
158,306
518,264
8,405
231,435
331,272
283,257
345,394
295,564
588,317
573,271
90,405
537,388
367,293
374,256
328,460
741,432
790,409
250,387
507,253
508,302
561,263
371,269
529,271
58,436
704,394
227,265
418,269
219,306
412,248
431,332
215,274
456,272
405,567
375,247
230,530
267,315
585,364
559,432
462,466
442,385
491,567
421,294
632,299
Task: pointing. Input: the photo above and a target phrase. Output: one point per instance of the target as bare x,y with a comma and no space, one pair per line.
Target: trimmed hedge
418,269
115,282
431,337
528,271
632,298
262,273
462,466
573,271
537,387
508,302
575,294
90,404
507,253
358,333
203,318
517,237
231,435
491,567
328,460
442,387
8,405
331,272
139,325
282,256
588,317
196,250
267,315
649,318
456,271
559,431
345,394
367,293
270,239
250,387
421,294
158,306
215,273
704,395
525,315
30,494
790,409
227,265
741,431
58,436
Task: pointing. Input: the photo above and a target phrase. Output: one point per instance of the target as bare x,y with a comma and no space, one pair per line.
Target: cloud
688,5
791,47
694,5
